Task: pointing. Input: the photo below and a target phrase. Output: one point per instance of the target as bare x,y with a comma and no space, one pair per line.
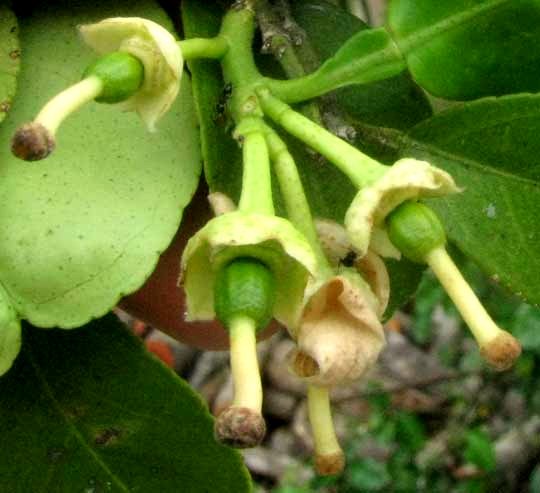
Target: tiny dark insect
349,259
220,116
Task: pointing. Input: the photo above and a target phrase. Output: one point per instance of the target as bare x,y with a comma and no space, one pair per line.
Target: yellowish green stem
497,346
482,326
67,102
244,364
256,194
297,206
361,169
329,458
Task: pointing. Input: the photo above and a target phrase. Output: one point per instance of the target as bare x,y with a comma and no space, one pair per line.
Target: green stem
361,169
238,65
293,194
376,65
204,48
256,194
293,59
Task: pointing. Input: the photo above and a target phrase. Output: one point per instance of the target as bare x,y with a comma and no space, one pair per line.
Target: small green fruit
415,230
121,73
244,287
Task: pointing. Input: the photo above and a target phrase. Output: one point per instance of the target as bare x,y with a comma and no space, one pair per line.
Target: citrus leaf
465,50
92,411
9,58
491,148
394,102
86,226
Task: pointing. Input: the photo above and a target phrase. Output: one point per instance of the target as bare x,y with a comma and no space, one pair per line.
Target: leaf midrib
74,430
418,38
484,168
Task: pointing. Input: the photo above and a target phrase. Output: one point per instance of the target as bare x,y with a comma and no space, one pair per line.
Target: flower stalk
329,458
36,140
417,232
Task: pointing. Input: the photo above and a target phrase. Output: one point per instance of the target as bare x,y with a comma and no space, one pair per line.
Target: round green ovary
244,288
121,73
415,230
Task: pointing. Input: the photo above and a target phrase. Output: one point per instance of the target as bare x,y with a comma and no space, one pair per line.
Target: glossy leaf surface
86,226
92,411
9,58
395,102
462,49
491,148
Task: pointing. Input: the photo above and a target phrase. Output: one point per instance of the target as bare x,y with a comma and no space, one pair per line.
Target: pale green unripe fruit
415,230
121,73
244,288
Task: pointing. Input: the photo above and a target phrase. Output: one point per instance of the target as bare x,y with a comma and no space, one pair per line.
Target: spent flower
157,50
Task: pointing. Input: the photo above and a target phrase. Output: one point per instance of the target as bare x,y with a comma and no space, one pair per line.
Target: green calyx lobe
121,73
244,288
415,230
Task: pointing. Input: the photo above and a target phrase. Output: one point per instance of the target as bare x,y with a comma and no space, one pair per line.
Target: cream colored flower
157,50
273,240
407,179
339,335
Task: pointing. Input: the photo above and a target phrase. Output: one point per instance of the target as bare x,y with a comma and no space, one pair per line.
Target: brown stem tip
329,464
32,142
501,351
240,427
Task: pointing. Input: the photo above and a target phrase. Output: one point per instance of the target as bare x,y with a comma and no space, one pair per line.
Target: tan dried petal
339,336
407,179
338,248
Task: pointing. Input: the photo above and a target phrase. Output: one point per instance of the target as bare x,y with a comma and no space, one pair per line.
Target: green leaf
9,58
466,49
368,475
534,483
405,276
410,432
394,102
86,226
491,148
479,450
91,410
526,327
